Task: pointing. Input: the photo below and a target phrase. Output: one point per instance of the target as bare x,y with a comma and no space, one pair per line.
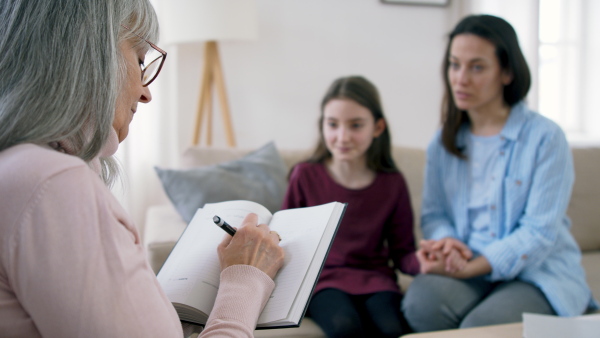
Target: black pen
223,225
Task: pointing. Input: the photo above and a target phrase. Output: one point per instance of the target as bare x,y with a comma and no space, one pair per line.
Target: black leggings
340,314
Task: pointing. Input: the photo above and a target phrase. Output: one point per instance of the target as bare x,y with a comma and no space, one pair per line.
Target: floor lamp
210,21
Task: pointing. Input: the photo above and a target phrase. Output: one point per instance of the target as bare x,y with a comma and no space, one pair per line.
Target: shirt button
502,138
493,207
518,182
524,257
501,153
493,234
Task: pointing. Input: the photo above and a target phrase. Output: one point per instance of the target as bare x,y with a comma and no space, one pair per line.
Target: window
561,42
568,87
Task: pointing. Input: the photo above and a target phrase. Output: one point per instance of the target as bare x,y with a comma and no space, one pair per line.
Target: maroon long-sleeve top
377,227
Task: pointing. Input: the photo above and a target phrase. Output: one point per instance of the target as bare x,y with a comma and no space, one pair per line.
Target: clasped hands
447,256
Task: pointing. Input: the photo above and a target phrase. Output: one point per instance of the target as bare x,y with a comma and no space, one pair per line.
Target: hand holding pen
231,230
252,244
224,225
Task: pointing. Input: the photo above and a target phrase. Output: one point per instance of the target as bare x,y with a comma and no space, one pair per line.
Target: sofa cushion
584,207
198,156
591,264
162,230
259,176
411,162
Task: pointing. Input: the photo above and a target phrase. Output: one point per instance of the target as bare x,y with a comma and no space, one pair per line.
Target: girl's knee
392,329
343,326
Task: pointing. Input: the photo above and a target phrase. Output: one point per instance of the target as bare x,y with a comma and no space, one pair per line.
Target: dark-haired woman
498,182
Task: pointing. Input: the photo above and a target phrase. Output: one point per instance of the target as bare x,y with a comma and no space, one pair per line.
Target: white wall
275,83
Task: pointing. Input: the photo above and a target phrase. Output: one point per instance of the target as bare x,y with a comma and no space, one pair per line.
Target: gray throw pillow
260,176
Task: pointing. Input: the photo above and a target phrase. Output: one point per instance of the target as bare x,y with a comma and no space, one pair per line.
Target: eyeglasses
157,58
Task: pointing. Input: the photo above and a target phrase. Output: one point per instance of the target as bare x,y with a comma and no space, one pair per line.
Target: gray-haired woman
71,263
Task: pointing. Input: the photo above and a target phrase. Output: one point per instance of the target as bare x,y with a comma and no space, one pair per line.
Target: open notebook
190,275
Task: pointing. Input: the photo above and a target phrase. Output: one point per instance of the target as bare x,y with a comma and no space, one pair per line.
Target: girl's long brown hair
363,92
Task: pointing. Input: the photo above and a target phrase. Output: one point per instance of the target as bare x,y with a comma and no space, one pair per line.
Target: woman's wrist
474,268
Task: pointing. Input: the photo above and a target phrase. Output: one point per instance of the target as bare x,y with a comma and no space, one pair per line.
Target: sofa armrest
163,228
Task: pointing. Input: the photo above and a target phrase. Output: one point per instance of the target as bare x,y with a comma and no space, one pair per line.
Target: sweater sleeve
243,293
77,266
401,239
294,196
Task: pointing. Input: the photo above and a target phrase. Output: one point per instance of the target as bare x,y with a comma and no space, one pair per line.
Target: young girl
357,293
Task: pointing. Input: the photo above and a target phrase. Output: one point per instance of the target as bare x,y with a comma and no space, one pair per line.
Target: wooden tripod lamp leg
220,88
204,94
208,91
212,72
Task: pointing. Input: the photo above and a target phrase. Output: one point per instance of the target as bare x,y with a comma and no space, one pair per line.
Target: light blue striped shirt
527,209
484,171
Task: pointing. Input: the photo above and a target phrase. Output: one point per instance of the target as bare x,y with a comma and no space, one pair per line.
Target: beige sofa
163,224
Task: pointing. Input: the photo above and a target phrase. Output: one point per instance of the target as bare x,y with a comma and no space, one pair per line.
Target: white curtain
569,71
144,148
153,140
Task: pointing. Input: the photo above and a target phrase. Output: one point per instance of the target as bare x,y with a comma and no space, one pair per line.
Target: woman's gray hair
61,70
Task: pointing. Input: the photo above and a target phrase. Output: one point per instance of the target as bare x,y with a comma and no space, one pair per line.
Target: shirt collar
510,131
516,121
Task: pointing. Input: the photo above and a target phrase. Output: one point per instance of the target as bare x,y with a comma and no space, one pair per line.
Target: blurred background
275,81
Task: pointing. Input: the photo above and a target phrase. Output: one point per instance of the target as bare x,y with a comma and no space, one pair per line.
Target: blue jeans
434,302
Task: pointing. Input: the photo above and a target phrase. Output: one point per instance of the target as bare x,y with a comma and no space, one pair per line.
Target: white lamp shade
184,21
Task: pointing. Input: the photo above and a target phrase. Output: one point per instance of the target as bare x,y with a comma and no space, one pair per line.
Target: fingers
275,235
426,244
255,245
225,242
437,245
462,248
422,258
455,262
446,245
445,256
430,262
465,251
250,220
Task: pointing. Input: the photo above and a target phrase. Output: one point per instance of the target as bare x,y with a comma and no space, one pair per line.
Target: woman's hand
446,256
455,252
452,258
447,244
431,262
253,244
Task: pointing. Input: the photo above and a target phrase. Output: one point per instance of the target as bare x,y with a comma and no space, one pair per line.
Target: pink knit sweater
72,264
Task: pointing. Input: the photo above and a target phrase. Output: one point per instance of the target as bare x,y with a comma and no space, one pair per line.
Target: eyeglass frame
158,49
